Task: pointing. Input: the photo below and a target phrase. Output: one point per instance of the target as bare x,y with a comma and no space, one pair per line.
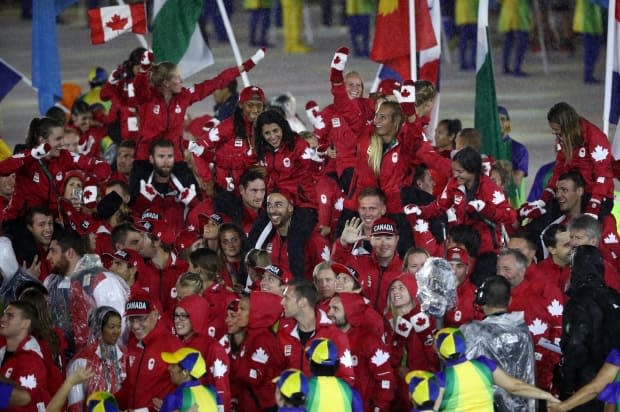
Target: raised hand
352,231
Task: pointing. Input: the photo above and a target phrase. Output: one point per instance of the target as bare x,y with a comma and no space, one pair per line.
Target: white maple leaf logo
380,357
498,197
610,238
260,356
28,382
420,322
538,327
421,226
346,359
214,135
555,308
599,153
325,255
218,369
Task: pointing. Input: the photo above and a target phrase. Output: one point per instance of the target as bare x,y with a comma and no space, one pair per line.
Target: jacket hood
198,310
354,307
410,283
265,309
587,268
8,261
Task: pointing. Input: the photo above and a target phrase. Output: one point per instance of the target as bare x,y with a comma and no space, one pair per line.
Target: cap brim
170,358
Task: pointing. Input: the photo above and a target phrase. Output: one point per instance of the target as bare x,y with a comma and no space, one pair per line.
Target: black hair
270,117
28,312
119,233
80,107
41,127
249,175
305,289
68,239
497,291
575,177
548,238
40,210
57,113
160,142
468,237
469,159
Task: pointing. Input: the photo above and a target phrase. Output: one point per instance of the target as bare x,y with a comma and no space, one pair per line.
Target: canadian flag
107,23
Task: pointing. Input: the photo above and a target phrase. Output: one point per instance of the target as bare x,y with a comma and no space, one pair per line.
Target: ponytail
40,127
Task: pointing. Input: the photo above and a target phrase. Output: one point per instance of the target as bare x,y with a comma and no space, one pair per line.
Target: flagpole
375,83
611,44
140,37
412,42
233,41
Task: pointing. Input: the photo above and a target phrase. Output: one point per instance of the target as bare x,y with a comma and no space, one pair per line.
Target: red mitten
251,62
338,63
532,210
406,97
593,208
146,62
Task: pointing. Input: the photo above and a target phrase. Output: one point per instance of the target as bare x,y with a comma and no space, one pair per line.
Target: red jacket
375,280
550,273
295,352
125,107
330,201
32,186
147,373
232,154
218,297
593,160
167,277
338,134
213,353
259,359
27,368
374,376
464,312
543,310
291,170
497,210
158,118
316,251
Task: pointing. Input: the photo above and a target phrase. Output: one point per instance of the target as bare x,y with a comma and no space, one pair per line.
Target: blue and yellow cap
290,382
322,352
189,359
101,402
449,343
423,387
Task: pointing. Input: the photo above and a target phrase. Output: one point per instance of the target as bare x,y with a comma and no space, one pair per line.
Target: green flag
486,118
177,36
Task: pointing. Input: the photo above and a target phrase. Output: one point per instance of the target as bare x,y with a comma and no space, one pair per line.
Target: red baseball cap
458,254
387,87
347,270
140,305
252,93
125,255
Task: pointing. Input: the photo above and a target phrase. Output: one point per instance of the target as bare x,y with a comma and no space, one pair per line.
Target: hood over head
587,267
265,309
198,310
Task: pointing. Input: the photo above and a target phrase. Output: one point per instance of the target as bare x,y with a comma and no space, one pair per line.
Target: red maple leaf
88,194
337,60
150,190
116,23
402,326
420,321
405,93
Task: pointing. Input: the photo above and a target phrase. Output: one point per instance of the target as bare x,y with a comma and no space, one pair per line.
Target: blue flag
8,78
45,60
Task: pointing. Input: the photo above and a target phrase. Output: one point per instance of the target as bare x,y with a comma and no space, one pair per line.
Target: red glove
593,208
338,63
146,62
532,210
116,75
251,62
406,97
40,151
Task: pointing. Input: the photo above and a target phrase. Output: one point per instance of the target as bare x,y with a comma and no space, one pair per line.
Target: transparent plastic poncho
436,287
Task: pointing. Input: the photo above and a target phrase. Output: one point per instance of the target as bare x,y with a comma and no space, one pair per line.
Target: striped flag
107,23
9,77
177,36
486,118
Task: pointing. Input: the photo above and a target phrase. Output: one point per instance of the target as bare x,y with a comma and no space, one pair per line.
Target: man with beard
280,237
163,192
374,376
79,283
31,247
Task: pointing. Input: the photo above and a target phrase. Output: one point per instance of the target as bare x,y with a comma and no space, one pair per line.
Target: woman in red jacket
471,198
41,168
581,147
287,158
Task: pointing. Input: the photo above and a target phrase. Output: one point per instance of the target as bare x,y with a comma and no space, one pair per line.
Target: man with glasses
147,374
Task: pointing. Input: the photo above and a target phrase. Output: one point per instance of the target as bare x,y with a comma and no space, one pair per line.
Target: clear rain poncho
14,276
505,339
436,287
